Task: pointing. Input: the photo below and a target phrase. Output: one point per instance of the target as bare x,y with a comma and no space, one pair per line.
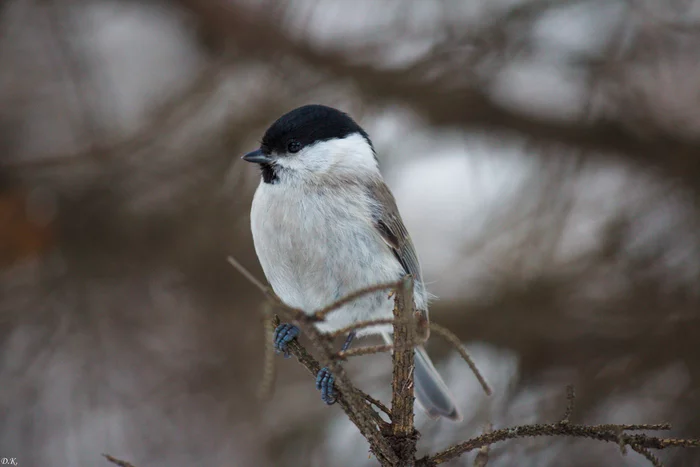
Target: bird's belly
313,258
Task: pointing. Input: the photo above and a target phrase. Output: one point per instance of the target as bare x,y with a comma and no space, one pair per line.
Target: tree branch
321,314
404,435
556,429
359,325
360,351
607,432
351,399
394,444
116,461
457,345
570,404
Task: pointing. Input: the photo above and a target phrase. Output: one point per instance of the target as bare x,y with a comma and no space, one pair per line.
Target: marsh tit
324,225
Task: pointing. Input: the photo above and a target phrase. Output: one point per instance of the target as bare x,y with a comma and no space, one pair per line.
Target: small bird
324,225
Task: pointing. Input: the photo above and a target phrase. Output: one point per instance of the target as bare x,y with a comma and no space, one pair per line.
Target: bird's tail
431,391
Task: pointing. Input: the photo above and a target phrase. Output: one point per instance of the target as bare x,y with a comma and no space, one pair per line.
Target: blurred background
545,155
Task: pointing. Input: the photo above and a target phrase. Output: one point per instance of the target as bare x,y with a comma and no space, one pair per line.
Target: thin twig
482,457
368,350
378,404
454,340
556,429
655,461
359,325
252,279
570,401
321,314
118,462
268,379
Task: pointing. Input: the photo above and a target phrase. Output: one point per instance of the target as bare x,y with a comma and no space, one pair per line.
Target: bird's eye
294,146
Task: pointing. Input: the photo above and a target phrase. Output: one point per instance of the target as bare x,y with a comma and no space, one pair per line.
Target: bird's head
314,143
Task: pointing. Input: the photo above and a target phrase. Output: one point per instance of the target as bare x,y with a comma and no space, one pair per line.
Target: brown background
544,154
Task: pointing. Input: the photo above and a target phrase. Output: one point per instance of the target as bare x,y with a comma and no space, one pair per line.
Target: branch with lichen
393,443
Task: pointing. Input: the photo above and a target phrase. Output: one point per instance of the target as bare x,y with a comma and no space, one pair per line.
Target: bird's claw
284,333
324,383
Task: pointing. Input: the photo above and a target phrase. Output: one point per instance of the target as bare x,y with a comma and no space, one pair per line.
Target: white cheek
350,156
352,152
306,161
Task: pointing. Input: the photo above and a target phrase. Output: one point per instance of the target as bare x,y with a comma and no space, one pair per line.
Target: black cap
307,125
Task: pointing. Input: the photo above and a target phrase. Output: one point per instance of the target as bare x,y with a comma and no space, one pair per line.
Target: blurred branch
72,65
268,378
169,115
118,462
461,105
457,345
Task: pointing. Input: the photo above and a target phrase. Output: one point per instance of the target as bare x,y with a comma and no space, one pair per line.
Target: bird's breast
316,246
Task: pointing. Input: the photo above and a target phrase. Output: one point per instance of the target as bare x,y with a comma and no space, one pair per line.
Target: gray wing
388,223
431,391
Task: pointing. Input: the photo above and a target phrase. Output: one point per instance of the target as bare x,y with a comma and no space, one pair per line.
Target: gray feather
388,223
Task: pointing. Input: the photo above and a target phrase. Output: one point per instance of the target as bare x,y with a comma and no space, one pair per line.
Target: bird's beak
257,157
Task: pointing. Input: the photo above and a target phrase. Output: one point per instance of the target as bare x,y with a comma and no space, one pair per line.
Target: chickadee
324,225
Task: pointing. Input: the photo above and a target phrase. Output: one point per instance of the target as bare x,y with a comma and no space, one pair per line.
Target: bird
325,224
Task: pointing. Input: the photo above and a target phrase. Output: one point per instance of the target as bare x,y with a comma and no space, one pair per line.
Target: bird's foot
324,383
284,333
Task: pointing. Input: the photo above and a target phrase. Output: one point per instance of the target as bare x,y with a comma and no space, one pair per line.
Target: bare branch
368,350
482,458
268,380
648,454
167,117
359,325
636,427
404,435
378,404
462,106
322,313
313,366
394,444
118,462
351,399
454,340
570,403
557,429
252,279
607,432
